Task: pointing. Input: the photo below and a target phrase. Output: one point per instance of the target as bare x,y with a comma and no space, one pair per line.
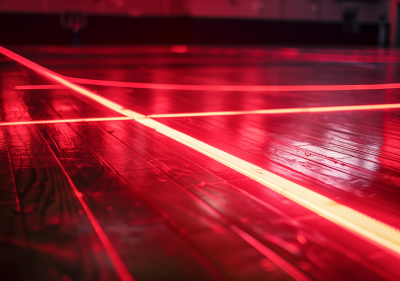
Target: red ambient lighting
382,234
38,87
119,265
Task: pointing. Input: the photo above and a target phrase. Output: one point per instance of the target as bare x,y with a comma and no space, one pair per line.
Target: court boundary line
367,227
37,122
370,228
114,256
282,110
233,88
39,87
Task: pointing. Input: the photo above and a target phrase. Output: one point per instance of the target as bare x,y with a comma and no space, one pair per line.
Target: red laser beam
119,265
234,88
293,271
35,122
38,87
282,111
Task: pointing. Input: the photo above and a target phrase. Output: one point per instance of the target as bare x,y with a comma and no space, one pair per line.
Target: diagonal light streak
349,218
282,110
116,260
38,87
367,227
34,122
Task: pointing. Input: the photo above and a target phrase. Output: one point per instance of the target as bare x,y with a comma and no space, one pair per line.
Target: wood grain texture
196,222
140,235
62,239
16,257
291,159
171,212
57,240
265,214
56,104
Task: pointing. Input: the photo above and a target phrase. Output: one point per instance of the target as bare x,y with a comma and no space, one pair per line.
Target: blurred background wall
288,22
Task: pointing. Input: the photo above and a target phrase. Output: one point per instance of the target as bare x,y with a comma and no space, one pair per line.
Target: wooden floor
88,200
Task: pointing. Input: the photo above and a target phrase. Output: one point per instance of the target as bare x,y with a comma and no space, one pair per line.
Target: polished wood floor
171,212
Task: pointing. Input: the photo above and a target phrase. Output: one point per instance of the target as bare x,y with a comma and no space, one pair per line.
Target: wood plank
55,104
153,244
59,238
340,161
291,166
269,222
141,236
16,257
10,103
211,234
63,241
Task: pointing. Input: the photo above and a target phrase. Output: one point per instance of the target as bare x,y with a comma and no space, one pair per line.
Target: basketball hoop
73,19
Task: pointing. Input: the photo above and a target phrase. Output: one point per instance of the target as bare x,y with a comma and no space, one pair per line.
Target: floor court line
59,79
365,226
292,270
379,233
39,87
116,260
234,88
35,122
282,111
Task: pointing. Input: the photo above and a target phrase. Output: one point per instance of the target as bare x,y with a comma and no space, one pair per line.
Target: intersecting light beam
59,79
116,260
365,226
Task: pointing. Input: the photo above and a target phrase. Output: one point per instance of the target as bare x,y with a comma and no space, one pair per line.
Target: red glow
119,265
38,87
65,121
369,55
235,88
281,111
365,226
56,77
290,269
179,49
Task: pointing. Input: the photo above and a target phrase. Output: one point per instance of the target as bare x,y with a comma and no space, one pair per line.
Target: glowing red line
234,88
281,111
367,227
56,77
119,265
293,271
116,260
65,121
38,87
